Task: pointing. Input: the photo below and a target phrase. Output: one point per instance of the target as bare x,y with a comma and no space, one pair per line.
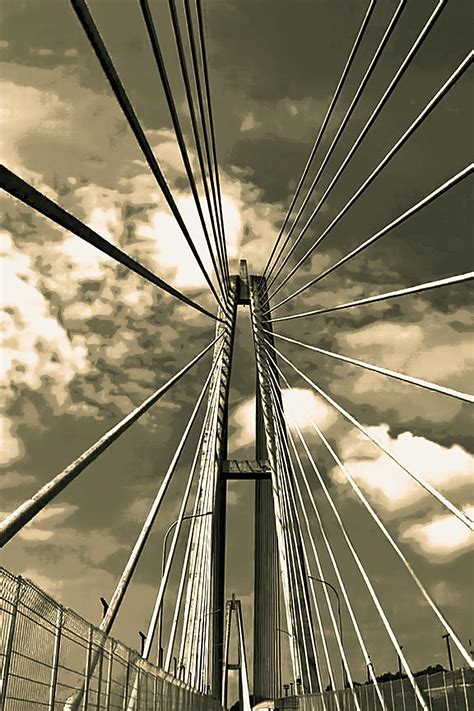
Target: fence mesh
443,691
51,658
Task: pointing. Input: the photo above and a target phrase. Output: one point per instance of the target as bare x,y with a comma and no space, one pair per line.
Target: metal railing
46,652
443,691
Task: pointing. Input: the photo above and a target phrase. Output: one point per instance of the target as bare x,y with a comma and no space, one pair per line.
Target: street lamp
163,563
329,585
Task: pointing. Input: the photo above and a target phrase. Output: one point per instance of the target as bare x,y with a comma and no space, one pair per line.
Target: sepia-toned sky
86,341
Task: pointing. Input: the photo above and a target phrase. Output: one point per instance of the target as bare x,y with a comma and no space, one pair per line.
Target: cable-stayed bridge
51,657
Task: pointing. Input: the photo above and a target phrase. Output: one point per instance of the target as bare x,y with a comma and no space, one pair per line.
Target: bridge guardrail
443,691
45,651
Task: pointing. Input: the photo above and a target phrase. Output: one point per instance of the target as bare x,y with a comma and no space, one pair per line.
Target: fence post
88,668
127,677
402,686
428,688
55,662
109,676
392,697
155,683
9,647
446,692
455,686
464,689
138,685
101,650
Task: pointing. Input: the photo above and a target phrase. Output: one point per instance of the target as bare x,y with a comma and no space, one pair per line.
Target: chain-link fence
51,658
443,691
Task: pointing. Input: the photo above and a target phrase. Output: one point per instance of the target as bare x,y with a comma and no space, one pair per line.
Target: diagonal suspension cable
430,106
426,384
296,548
322,129
127,573
194,124
202,622
207,86
131,706
395,546
464,518
85,18
26,511
155,45
315,601
457,279
172,549
335,566
202,113
326,541
273,457
293,607
373,63
451,81
337,633
20,189
211,414
196,577
133,698
440,190
189,567
364,574
203,618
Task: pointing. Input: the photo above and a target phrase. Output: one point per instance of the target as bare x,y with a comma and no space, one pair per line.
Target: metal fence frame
45,660
443,691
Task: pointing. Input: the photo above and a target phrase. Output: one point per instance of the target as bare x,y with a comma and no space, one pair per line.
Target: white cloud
447,469
49,525
12,447
42,526
12,480
291,119
430,349
34,344
167,246
41,52
249,123
446,594
440,538
26,110
299,402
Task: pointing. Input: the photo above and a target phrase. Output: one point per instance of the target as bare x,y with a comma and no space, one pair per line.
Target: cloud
36,347
249,123
43,526
12,447
300,402
12,480
446,594
440,538
41,52
437,350
447,469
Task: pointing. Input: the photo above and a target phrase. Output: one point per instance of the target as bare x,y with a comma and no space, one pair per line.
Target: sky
86,340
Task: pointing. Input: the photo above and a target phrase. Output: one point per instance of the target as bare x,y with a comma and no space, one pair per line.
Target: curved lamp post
329,585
